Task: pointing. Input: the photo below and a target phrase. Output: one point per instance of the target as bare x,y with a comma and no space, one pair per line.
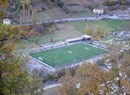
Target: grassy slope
65,31
83,14
40,16
104,25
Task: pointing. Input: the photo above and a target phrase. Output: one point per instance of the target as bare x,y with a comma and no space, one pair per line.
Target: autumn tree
67,86
117,63
35,85
4,5
14,76
34,18
123,1
25,10
3,9
88,31
88,77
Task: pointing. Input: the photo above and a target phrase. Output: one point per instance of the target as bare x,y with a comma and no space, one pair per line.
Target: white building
98,11
7,21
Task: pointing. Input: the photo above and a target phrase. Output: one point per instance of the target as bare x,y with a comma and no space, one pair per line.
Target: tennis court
68,54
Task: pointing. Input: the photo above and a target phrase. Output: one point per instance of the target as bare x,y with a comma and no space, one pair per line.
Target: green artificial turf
67,54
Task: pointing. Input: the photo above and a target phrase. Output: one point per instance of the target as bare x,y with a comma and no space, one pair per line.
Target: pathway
95,18
51,86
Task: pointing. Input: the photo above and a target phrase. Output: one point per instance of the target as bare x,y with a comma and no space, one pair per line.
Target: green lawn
68,54
42,16
104,25
83,14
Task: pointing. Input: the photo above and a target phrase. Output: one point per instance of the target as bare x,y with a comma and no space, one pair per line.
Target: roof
6,19
127,36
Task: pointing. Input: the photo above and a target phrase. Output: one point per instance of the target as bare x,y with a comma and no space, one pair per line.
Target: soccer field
67,54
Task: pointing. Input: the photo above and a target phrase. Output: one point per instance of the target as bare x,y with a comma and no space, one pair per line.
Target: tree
14,76
34,18
106,33
67,85
88,77
116,63
25,10
35,84
95,33
123,2
88,31
4,5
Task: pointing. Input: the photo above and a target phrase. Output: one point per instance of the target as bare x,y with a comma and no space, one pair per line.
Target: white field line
51,68
96,46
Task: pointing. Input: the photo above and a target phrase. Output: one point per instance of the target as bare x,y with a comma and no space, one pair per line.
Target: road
95,18
51,86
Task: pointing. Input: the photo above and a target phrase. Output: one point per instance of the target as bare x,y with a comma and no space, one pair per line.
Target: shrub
110,3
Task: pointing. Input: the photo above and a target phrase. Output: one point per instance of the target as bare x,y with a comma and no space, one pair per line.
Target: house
7,21
98,11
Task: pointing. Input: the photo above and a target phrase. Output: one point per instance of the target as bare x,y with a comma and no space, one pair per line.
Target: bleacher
84,37
74,40
63,43
55,45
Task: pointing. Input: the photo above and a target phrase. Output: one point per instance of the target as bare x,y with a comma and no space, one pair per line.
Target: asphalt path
94,18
